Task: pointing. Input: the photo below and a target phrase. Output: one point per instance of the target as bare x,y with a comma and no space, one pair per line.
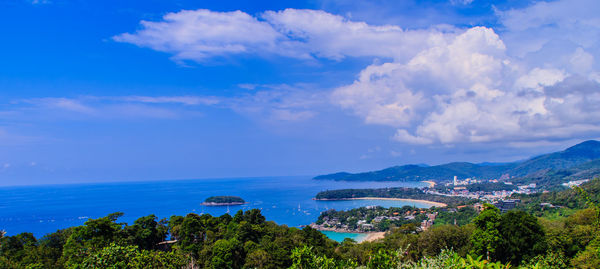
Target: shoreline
432,203
221,204
373,237
368,236
431,183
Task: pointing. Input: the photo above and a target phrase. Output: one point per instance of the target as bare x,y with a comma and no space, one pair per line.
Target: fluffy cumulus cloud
535,76
200,34
471,90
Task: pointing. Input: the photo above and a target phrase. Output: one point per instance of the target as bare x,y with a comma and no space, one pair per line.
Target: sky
98,91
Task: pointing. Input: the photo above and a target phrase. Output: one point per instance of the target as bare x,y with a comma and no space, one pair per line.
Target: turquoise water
358,237
285,200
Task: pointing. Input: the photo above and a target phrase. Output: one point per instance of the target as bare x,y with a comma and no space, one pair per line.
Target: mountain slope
415,172
552,178
553,165
575,155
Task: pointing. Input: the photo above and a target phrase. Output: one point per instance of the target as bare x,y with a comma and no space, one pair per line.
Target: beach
373,236
436,204
340,234
431,183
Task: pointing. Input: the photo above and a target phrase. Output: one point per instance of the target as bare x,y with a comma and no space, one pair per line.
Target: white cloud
403,136
534,77
461,2
471,90
39,2
548,33
72,105
186,100
335,37
283,103
280,103
124,107
201,34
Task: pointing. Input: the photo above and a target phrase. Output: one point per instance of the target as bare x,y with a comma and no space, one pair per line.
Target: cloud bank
534,76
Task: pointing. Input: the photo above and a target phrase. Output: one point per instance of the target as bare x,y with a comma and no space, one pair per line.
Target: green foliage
406,193
486,236
588,258
94,235
462,216
490,187
247,240
522,237
146,232
436,239
224,200
547,171
589,202
116,257
381,218
304,258
227,254
551,260
417,173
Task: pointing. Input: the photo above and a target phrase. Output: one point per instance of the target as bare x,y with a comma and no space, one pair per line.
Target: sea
44,209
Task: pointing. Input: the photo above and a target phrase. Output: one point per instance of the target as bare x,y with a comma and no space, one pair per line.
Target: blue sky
146,90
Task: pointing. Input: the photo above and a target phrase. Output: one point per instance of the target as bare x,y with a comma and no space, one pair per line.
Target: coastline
221,204
365,236
431,183
436,204
373,237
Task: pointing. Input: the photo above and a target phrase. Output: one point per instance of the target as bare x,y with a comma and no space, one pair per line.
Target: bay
285,200
338,236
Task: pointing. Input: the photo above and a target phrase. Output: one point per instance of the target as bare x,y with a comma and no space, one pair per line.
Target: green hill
553,178
415,172
577,162
575,155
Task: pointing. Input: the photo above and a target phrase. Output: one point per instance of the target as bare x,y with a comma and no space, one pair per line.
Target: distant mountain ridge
575,155
581,160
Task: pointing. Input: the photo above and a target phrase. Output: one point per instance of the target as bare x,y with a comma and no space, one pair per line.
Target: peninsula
406,194
223,201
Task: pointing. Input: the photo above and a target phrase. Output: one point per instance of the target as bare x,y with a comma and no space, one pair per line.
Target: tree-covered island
223,200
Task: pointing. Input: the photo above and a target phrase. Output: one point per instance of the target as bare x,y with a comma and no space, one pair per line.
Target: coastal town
376,219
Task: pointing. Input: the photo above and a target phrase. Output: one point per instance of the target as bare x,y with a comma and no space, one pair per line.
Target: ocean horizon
45,209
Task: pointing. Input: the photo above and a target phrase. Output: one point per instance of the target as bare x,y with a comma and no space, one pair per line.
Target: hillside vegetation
581,161
403,193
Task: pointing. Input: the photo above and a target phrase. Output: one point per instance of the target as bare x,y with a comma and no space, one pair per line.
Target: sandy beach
436,204
431,183
373,236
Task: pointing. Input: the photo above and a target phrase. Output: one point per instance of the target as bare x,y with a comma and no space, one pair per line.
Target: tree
94,235
486,236
253,216
257,259
522,237
432,241
146,232
115,256
191,233
227,254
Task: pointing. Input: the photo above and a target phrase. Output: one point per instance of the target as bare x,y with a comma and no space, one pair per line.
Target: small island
223,200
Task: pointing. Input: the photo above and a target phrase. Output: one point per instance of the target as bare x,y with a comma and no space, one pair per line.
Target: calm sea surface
285,200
